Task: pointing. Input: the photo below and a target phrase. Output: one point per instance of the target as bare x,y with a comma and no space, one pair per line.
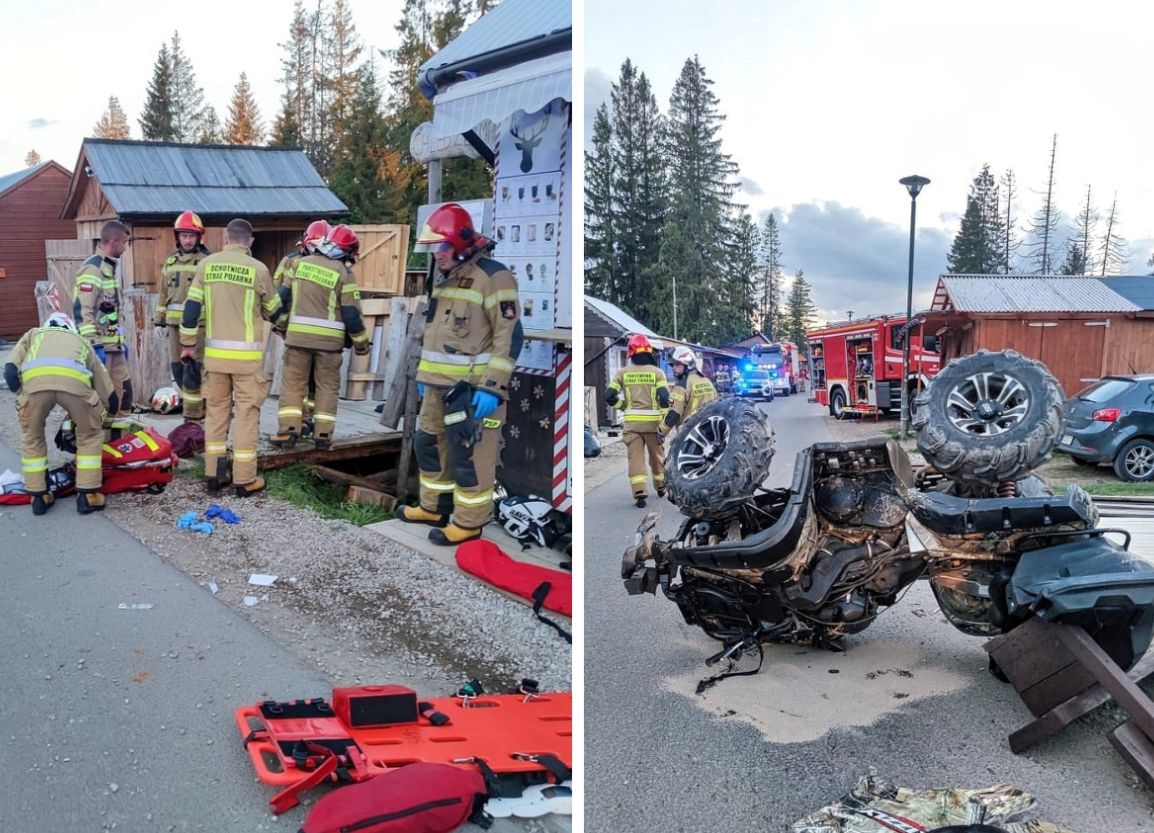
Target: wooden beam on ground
350,448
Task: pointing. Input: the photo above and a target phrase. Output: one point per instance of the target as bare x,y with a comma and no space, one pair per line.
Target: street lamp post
914,185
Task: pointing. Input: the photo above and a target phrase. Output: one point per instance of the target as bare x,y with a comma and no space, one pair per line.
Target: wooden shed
1082,328
30,202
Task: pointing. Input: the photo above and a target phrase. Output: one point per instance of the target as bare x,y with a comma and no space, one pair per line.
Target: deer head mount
527,143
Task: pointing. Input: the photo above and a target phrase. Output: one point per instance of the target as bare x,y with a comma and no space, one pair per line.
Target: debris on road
189,521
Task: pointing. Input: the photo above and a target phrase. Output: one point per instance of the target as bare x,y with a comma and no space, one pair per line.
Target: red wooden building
30,202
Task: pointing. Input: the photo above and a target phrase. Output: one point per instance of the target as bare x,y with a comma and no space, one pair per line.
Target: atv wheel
989,417
719,458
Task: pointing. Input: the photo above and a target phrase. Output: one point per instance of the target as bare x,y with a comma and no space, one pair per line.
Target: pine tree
734,315
1044,224
113,124
156,121
1113,250
286,132
366,173
243,126
32,159
345,49
802,310
407,107
186,95
297,80
1009,244
638,187
769,319
1075,262
697,227
1078,254
975,250
600,235
211,133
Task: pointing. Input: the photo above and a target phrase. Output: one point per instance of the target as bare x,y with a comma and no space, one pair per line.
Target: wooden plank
1136,749
375,306
392,350
1029,654
1057,688
400,382
342,449
1125,691
371,497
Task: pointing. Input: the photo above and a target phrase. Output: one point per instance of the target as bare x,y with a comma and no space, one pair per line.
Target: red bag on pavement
418,798
487,561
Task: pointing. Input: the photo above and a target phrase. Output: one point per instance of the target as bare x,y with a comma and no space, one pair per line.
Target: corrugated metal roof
8,180
619,317
513,21
1138,289
162,177
1030,293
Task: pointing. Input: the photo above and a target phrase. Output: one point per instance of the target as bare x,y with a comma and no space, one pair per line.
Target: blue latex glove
188,521
226,515
484,403
420,388
100,354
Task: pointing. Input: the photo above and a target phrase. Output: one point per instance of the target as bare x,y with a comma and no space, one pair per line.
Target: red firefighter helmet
188,221
345,239
638,344
314,235
451,224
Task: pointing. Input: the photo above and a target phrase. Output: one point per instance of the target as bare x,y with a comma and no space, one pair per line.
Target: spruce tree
769,316
113,124
733,316
32,158
802,310
156,121
286,132
975,250
243,126
407,107
697,225
600,236
1113,251
211,132
186,95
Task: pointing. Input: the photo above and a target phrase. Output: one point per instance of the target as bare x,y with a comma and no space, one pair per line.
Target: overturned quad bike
858,525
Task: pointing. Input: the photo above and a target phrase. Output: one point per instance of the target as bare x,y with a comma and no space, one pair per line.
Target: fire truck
767,370
857,365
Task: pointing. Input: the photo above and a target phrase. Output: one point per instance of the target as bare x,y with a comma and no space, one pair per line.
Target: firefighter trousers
117,366
229,398
87,414
187,378
636,444
454,479
299,368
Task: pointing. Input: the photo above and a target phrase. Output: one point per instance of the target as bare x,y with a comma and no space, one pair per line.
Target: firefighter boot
640,501
42,502
222,480
87,502
417,515
250,488
323,442
287,439
453,534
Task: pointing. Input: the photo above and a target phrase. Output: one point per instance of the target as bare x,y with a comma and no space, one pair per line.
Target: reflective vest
473,330
56,359
175,280
326,304
639,387
96,303
235,291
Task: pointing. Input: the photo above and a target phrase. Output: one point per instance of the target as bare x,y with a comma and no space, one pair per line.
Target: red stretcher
516,740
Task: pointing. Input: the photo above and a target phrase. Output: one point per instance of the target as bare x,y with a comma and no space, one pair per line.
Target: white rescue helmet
683,355
166,400
59,319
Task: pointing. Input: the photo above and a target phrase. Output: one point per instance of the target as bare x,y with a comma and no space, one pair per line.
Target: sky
73,55
829,103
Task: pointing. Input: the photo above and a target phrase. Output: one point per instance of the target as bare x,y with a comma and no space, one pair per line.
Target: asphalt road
911,699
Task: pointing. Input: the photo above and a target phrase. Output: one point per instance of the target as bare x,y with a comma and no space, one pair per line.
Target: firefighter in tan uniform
472,339
96,308
175,279
313,236
324,307
690,391
641,390
52,365
235,291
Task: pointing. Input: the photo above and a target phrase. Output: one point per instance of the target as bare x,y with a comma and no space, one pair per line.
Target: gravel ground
361,608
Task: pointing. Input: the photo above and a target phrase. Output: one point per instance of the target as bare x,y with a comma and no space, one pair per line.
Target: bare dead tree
1044,223
1113,246
1010,243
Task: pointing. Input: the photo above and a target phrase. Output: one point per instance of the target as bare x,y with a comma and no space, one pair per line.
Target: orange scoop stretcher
515,740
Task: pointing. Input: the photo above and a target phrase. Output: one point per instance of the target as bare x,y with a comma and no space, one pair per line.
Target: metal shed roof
1028,293
1136,289
510,23
625,322
144,178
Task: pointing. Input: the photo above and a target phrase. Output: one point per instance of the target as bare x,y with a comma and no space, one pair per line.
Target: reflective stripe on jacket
56,359
690,394
175,280
96,303
325,305
643,389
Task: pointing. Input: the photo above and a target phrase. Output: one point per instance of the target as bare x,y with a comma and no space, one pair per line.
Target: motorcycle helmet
528,519
166,400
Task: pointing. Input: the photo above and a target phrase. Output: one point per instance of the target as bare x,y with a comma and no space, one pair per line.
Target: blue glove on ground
226,515
484,403
420,388
100,354
188,521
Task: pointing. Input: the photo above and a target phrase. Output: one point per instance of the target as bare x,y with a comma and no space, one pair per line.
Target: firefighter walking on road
472,339
96,308
323,308
175,280
235,290
52,365
690,391
640,389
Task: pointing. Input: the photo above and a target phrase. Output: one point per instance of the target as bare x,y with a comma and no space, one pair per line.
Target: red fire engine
857,365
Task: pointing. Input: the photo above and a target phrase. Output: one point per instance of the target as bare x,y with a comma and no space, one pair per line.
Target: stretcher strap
289,797
539,596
